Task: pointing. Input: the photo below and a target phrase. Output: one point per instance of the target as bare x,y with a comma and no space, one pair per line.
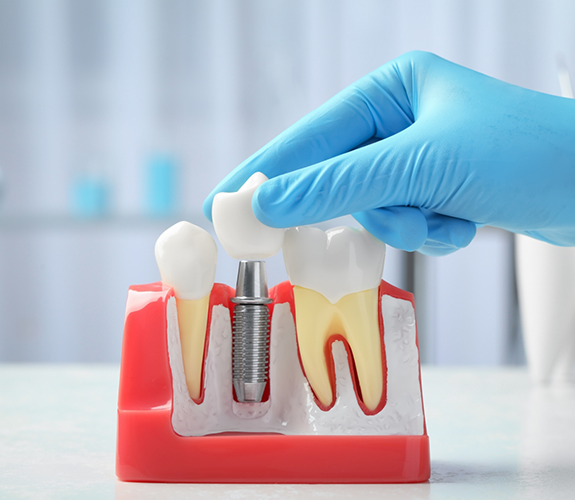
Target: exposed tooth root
192,321
355,318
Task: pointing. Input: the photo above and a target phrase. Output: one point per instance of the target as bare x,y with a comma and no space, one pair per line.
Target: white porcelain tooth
187,256
334,263
336,275
241,234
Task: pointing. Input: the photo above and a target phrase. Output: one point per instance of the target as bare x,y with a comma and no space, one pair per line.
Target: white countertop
493,436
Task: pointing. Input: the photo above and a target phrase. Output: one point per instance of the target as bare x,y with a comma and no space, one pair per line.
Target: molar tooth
187,256
241,234
336,276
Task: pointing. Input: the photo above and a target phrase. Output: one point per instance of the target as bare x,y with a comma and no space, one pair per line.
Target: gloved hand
421,151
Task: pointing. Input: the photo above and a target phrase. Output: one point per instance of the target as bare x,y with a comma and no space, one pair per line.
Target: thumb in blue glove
421,151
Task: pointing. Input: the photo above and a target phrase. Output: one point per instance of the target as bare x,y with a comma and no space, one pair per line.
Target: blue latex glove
421,151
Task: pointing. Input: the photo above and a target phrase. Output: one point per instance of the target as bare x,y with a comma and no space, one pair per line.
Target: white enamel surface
335,262
292,409
241,234
187,257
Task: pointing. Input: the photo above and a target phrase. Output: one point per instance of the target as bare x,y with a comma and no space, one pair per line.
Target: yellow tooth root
355,318
192,321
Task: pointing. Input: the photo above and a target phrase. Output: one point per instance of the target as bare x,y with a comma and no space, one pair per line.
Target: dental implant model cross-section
315,380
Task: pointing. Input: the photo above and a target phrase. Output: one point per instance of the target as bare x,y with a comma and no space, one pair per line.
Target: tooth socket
250,355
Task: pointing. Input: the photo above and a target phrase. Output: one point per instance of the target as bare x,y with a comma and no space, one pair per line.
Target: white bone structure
291,408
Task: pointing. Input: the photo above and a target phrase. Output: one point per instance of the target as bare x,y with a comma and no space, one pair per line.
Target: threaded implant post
250,332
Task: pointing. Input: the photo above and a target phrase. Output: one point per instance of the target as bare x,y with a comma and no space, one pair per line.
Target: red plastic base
149,450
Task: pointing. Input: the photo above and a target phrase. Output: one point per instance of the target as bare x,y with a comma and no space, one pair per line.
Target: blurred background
117,117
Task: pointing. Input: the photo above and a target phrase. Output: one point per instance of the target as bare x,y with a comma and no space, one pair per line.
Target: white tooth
187,256
334,263
336,275
241,234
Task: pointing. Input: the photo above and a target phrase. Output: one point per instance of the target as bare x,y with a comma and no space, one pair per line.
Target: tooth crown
187,256
334,263
241,234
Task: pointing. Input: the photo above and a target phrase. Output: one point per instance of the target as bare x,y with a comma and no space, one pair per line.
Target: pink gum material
149,450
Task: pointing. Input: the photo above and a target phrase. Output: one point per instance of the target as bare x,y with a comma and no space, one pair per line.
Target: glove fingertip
265,212
464,233
404,228
413,238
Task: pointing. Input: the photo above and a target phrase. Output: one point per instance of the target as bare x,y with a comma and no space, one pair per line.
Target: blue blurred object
161,185
90,196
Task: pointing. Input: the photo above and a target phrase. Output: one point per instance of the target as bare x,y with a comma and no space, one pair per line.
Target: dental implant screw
250,332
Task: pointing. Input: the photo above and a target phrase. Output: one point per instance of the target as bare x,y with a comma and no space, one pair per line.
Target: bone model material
187,257
292,408
240,233
336,276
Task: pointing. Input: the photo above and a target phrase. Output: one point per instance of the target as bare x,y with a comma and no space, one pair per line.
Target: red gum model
149,450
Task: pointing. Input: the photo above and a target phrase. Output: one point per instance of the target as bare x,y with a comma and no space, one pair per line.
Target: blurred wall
100,97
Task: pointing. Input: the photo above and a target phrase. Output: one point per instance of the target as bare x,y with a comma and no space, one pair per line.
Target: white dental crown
241,234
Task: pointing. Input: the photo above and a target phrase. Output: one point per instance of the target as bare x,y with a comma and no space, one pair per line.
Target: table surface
493,435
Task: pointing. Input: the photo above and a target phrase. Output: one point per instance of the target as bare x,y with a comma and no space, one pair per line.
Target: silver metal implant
250,332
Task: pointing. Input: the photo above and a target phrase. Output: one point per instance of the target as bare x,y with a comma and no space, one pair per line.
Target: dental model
343,402
187,256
